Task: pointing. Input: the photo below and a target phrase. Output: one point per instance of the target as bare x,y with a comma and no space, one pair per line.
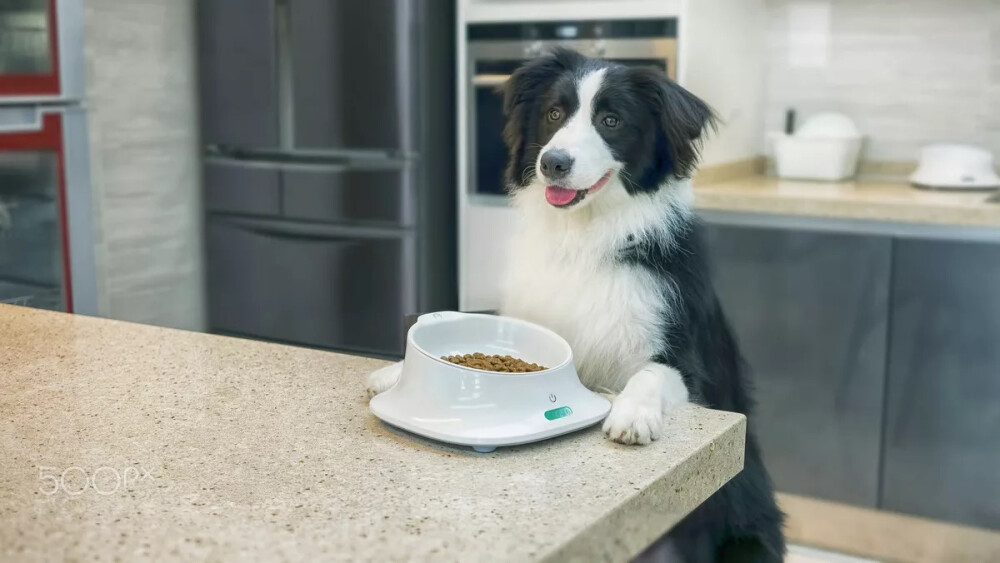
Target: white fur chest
561,274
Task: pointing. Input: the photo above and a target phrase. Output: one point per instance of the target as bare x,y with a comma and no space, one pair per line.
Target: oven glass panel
24,37
31,259
490,152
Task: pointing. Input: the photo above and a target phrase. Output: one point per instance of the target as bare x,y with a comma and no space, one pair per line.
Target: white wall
142,103
722,60
910,72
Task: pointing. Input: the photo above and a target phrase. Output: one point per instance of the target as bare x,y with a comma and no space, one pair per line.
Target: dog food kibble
495,362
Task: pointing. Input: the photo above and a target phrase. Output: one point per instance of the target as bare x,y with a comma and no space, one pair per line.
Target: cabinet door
810,313
943,426
238,68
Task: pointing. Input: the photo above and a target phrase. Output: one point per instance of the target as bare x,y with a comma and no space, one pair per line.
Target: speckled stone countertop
123,441
873,201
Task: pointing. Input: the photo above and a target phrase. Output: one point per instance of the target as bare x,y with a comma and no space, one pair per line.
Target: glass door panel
28,60
31,253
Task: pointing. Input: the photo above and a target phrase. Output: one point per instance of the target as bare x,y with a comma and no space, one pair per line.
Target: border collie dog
607,254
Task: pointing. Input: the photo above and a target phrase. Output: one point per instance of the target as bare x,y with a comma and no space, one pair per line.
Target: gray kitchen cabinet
810,312
942,439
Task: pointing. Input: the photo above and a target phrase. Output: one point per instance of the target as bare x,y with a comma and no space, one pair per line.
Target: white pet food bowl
471,407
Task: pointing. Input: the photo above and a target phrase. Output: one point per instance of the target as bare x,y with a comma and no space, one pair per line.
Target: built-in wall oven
496,49
47,254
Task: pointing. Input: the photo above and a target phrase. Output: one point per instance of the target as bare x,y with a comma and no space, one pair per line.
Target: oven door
41,50
492,62
40,213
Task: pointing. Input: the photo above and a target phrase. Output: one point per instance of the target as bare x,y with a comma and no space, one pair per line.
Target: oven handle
651,49
486,80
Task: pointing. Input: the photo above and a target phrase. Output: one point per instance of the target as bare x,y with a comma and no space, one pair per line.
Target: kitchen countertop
871,201
127,441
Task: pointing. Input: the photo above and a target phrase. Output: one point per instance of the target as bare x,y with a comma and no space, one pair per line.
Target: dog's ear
682,117
522,94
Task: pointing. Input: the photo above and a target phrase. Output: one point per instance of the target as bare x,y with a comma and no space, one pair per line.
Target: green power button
558,413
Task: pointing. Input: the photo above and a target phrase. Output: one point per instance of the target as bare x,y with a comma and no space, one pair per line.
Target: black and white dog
607,254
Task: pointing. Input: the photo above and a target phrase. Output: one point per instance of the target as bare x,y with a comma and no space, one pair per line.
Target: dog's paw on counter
636,415
633,421
382,379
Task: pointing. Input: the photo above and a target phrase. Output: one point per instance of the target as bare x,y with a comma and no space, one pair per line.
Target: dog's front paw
382,379
633,422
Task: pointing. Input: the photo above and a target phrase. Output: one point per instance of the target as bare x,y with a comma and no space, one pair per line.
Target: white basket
816,158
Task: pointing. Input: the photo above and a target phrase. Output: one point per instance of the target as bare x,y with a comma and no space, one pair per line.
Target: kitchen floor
802,554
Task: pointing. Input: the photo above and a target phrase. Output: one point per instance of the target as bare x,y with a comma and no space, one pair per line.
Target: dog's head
578,126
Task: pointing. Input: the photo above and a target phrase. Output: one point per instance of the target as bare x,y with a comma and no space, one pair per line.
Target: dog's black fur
658,142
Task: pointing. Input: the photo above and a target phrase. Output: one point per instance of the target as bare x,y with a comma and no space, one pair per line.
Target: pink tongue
556,195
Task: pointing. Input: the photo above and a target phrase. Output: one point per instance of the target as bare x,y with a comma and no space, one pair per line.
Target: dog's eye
555,114
610,121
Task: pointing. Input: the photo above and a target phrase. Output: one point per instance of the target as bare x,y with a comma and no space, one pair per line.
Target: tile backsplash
909,72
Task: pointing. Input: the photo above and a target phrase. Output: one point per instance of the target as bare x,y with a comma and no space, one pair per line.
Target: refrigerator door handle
309,155
295,236
20,119
288,165
306,232
307,160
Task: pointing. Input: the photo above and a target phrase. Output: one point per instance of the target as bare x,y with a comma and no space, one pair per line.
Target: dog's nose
556,163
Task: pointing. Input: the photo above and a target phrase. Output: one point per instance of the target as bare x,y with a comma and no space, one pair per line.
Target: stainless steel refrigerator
329,168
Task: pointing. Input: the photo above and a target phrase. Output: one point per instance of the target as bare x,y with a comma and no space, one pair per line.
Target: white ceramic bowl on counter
483,409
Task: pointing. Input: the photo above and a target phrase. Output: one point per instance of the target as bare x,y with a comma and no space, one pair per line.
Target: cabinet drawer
324,286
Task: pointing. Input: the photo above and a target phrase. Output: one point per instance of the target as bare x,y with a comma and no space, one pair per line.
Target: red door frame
49,138
37,84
